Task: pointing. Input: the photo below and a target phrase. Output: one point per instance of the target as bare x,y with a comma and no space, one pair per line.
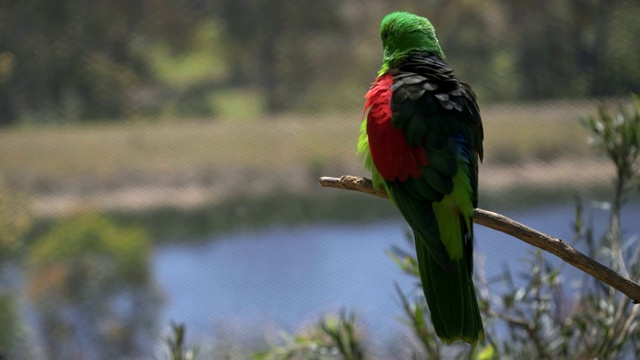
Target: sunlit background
159,161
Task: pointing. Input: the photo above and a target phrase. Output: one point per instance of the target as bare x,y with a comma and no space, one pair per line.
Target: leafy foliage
15,221
10,333
89,281
334,336
618,137
176,343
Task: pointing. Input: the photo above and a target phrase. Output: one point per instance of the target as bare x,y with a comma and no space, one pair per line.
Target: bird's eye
384,35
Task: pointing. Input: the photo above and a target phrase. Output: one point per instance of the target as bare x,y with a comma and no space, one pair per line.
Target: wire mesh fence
159,159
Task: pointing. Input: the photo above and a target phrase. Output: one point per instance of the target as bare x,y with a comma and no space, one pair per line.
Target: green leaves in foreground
334,337
618,136
176,342
89,281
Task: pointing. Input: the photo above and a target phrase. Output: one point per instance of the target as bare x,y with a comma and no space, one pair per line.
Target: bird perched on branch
422,140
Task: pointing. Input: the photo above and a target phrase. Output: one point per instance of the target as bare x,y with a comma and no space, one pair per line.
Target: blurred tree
283,47
9,332
475,46
569,48
67,60
90,284
15,221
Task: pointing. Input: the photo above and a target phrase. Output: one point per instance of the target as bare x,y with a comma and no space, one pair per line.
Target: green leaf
487,352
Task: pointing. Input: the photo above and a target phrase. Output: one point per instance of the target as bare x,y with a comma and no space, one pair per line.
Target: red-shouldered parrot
422,140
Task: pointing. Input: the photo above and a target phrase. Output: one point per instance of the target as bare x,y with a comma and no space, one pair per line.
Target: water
286,278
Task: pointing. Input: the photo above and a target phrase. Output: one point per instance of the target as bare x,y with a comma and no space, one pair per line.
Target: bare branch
510,227
350,182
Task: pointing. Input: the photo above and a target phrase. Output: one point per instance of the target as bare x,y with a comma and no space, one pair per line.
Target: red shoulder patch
391,155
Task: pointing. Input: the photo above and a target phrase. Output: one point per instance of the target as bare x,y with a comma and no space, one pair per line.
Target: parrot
421,138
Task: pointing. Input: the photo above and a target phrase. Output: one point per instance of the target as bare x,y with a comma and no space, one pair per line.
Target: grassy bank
97,157
191,178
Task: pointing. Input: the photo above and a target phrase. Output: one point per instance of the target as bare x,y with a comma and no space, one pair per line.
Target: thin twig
528,327
510,227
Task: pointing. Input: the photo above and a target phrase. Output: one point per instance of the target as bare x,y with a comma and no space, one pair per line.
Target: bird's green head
403,33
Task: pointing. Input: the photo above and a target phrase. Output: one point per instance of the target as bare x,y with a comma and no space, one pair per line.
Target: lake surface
257,282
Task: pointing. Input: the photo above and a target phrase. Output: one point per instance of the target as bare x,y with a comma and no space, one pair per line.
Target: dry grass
538,131
108,150
203,160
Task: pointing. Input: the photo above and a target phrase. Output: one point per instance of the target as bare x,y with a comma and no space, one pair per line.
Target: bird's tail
450,293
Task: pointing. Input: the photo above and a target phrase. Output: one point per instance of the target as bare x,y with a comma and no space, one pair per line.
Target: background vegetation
67,62
125,124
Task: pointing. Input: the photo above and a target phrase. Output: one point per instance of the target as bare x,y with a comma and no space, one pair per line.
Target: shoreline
578,174
195,212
